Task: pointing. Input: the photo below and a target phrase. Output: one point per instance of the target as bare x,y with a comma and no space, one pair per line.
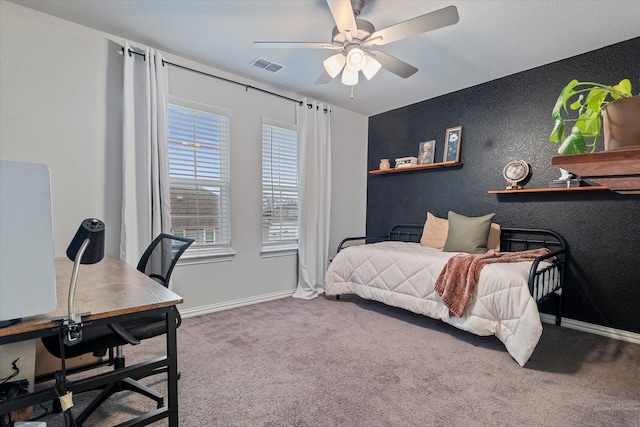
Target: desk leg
172,360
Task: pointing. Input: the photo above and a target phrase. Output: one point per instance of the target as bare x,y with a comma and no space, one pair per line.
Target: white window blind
279,186
199,166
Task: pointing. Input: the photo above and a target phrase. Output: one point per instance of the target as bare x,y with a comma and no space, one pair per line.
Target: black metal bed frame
544,281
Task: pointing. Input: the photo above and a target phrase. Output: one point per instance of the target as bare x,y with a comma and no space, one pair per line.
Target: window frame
199,252
283,247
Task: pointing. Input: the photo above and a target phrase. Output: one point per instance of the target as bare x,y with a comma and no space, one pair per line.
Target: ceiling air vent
265,64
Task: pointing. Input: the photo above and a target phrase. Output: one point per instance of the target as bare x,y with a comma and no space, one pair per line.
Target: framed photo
426,151
452,141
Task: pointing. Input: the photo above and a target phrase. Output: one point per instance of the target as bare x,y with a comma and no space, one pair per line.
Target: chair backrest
162,255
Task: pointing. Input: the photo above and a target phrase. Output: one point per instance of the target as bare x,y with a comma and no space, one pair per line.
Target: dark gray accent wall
509,119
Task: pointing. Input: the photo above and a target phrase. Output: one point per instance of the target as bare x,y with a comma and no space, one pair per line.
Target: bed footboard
545,280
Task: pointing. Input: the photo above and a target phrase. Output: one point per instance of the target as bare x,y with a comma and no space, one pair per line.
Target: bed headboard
511,239
521,239
406,232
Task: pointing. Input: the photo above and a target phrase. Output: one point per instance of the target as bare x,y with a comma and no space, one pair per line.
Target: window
198,139
279,186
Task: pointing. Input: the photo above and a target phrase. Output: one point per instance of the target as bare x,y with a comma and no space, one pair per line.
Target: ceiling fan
357,39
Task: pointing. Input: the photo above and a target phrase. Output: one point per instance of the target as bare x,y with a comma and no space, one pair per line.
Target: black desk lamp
87,247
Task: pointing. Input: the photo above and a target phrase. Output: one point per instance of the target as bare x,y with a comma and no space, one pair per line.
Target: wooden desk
111,291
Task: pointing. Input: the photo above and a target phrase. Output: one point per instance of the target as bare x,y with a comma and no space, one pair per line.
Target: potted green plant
583,105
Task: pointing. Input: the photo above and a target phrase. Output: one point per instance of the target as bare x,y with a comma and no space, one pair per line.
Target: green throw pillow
468,234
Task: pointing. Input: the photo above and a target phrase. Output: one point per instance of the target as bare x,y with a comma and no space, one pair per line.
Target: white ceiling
493,39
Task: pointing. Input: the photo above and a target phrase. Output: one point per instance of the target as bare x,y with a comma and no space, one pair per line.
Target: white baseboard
604,331
197,311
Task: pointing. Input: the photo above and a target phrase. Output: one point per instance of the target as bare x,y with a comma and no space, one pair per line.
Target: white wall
60,104
349,176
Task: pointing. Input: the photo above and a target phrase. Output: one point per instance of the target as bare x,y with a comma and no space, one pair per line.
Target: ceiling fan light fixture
371,67
349,77
334,64
356,59
357,39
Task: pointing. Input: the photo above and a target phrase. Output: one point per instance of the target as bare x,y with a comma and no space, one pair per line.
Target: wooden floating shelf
617,170
415,167
550,190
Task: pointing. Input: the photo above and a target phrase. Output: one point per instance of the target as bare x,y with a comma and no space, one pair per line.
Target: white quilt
403,275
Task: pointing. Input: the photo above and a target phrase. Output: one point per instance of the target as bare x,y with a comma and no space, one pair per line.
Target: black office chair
157,262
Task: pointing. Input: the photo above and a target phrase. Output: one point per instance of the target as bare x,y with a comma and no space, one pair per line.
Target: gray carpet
359,363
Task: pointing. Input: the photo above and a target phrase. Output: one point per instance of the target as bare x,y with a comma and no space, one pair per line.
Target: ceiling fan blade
393,64
342,13
323,79
420,24
296,45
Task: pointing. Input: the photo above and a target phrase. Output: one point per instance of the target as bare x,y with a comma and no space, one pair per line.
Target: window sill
204,256
276,251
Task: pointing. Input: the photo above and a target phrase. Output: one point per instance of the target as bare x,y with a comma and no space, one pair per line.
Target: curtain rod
246,86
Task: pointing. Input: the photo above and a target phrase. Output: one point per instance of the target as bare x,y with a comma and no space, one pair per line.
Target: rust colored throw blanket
458,279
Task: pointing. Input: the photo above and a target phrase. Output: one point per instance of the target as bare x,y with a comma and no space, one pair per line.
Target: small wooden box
47,364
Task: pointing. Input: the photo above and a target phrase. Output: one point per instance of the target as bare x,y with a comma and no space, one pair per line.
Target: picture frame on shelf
452,143
426,152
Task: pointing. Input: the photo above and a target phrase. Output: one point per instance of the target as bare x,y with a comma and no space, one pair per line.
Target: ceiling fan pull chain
351,92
